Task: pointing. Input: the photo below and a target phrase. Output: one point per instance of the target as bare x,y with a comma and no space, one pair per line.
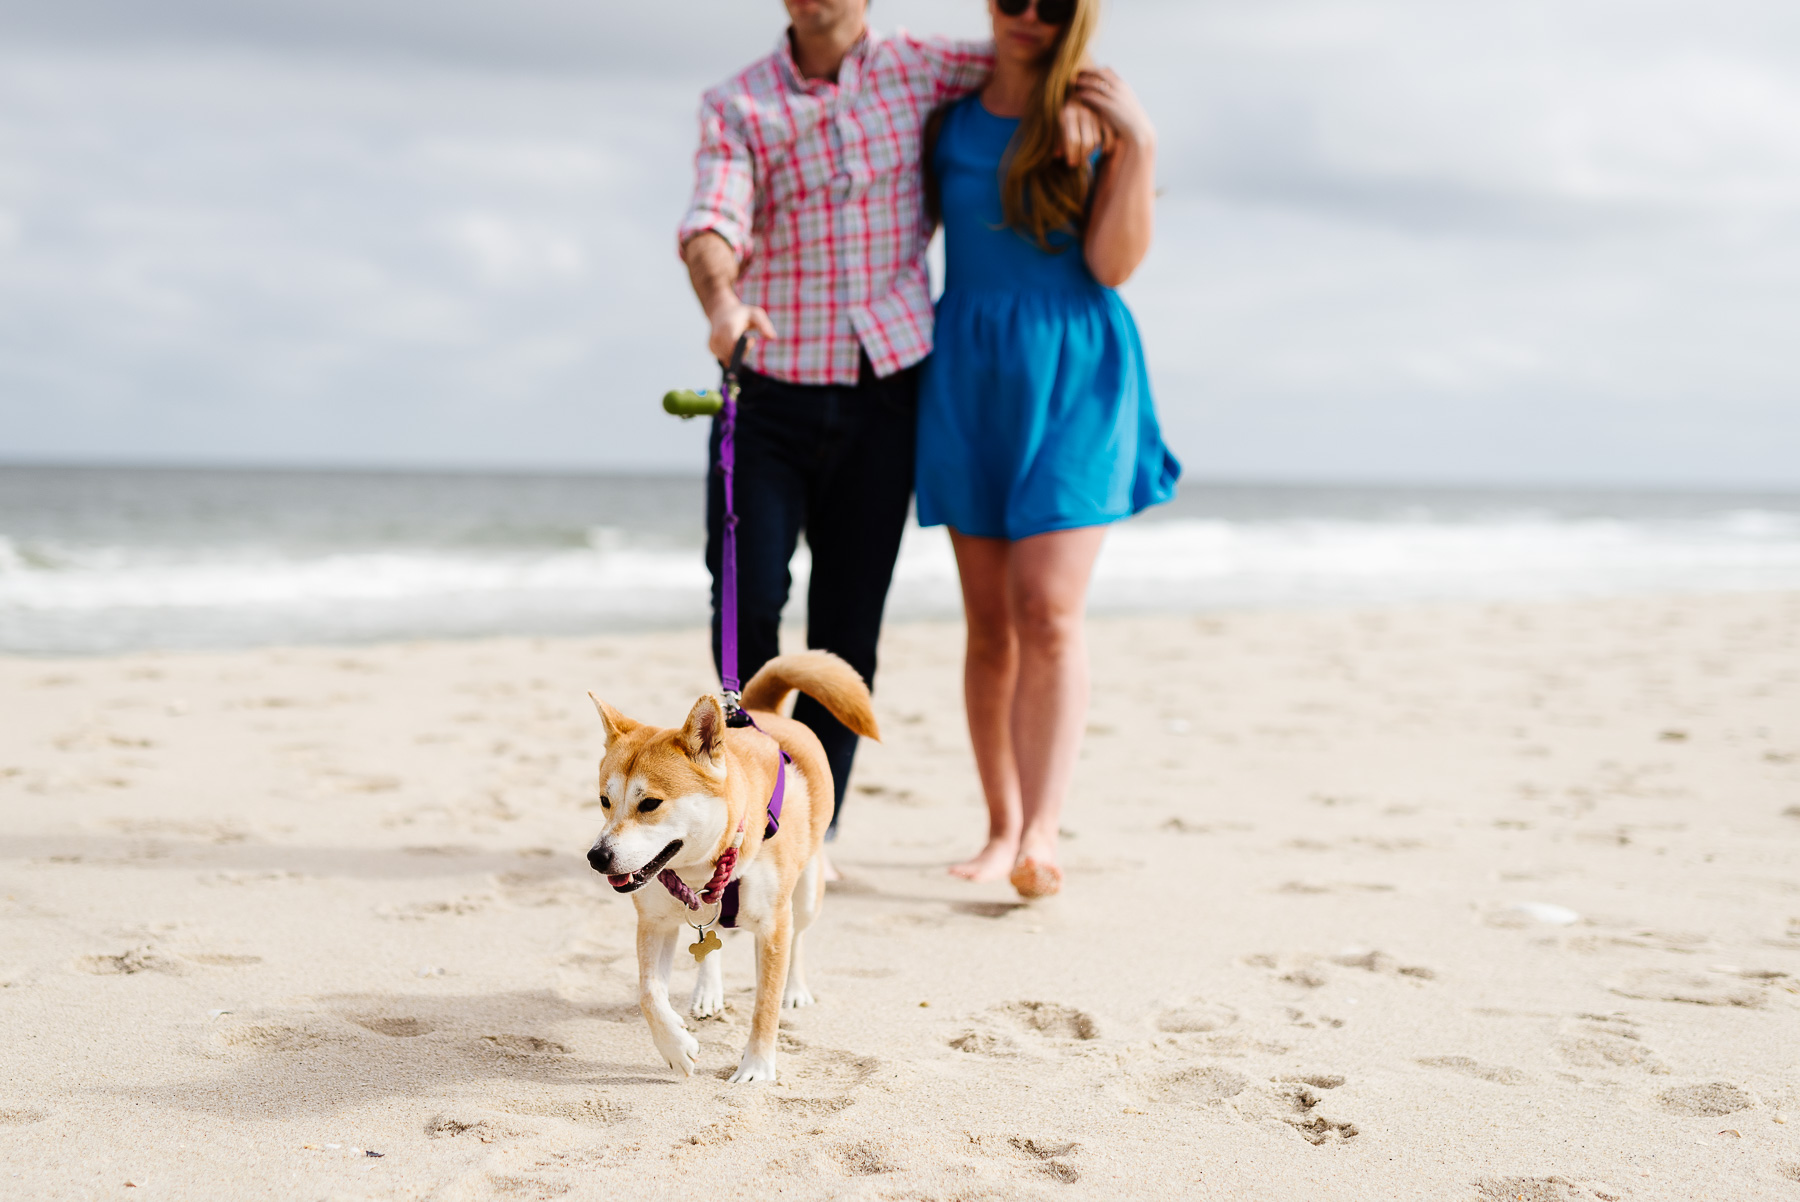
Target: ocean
101,560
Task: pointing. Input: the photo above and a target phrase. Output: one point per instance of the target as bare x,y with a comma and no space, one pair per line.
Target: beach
1471,900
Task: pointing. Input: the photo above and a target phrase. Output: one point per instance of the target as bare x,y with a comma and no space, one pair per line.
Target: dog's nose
600,858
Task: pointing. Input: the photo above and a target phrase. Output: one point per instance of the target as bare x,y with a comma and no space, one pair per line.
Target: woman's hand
1122,213
1111,97
1081,133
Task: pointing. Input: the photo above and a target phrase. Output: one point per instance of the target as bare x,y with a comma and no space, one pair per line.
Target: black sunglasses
1050,12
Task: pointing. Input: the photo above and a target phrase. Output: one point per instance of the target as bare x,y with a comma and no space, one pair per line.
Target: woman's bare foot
828,868
991,863
1036,878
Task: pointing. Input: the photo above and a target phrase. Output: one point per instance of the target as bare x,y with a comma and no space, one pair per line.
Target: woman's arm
1122,216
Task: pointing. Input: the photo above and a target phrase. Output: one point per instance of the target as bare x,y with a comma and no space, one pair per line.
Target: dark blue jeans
834,462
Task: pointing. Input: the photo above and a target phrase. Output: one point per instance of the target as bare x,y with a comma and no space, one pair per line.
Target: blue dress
1034,408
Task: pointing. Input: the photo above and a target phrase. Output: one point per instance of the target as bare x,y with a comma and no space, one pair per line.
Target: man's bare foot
828,868
992,863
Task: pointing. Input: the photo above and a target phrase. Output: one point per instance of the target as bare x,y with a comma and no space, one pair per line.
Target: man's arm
713,270
963,67
715,235
957,68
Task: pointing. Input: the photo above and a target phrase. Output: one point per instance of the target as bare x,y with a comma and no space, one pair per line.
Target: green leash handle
692,402
702,402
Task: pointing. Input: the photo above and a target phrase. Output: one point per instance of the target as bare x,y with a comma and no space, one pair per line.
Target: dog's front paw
796,996
754,1068
679,1048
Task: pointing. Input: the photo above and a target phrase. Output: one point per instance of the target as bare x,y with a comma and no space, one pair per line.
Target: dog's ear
616,723
703,735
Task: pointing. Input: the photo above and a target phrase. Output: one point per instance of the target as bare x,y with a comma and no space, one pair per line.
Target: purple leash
724,885
728,626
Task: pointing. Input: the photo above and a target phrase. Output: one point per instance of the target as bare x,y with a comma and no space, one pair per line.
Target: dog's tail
822,676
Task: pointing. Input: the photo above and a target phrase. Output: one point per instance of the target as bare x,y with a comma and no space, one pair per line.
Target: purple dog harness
723,887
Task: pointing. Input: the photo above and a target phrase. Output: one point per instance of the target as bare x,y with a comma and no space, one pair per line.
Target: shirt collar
848,74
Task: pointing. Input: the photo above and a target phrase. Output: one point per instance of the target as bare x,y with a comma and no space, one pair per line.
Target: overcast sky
1433,240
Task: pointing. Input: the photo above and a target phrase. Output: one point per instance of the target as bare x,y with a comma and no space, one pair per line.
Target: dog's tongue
619,881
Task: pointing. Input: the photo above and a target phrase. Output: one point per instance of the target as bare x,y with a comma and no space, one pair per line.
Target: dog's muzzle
626,882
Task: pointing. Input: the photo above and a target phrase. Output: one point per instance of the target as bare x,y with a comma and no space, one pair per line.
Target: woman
1036,426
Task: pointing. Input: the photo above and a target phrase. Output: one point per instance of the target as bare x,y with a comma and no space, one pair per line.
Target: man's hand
713,269
1080,133
729,322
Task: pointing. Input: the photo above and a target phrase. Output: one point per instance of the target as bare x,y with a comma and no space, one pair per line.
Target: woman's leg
1047,594
990,666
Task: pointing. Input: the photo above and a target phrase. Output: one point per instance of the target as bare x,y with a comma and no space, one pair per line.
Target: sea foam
64,595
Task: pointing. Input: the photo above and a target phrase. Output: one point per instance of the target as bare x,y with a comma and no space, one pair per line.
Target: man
807,230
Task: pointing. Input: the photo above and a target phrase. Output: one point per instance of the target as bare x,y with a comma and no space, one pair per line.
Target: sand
1484,902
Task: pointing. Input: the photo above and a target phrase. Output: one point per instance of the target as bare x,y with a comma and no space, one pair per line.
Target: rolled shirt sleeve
724,183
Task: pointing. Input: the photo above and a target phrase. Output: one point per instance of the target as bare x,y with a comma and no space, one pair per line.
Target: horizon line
1190,480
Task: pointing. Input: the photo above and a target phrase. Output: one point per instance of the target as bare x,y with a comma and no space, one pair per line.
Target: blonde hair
1040,194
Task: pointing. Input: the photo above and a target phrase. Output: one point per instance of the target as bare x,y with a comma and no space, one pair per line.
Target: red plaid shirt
816,186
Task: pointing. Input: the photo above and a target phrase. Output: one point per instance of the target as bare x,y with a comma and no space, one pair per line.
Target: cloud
534,35
1536,116
1400,238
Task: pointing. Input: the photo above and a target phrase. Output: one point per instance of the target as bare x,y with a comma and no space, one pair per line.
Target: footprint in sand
421,911
1316,1080
1299,1018
866,1158
1196,1017
1307,971
277,1037
1707,1101
516,1185
523,1046
1042,1022
1321,1130
985,1043
1683,942
1050,1019
1608,1041
1498,1074
1381,962
1203,1085
1052,1157
1314,888
1293,1101
130,962
221,959
1695,989
827,1070
588,1112
483,1128
813,1107
19,1116
398,1027
1543,1189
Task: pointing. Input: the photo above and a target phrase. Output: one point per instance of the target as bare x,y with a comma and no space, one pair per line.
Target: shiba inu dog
677,801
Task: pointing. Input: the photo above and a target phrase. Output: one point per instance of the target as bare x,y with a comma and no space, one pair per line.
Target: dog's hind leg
709,987
773,944
656,954
809,894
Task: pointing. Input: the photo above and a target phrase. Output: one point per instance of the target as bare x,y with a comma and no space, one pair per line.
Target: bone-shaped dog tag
707,943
